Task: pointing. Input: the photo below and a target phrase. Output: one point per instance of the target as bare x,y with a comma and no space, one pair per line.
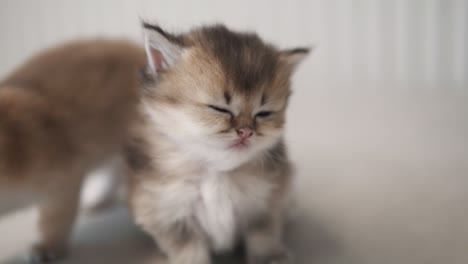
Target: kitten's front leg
181,239
264,241
182,244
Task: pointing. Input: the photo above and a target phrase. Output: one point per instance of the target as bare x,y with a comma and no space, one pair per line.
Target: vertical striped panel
417,44
459,50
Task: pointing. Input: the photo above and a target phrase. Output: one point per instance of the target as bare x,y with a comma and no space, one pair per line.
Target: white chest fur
220,203
216,209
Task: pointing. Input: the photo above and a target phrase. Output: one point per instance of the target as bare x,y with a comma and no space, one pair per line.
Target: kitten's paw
282,256
40,254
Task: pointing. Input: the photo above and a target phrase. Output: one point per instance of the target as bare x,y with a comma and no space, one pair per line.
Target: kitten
62,113
208,162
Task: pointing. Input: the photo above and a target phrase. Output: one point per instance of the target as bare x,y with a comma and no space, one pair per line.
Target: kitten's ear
162,49
293,57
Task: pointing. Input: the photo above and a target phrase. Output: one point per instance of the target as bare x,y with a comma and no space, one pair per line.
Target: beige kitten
208,160
62,113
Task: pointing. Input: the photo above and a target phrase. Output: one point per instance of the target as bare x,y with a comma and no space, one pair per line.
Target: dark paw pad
40,255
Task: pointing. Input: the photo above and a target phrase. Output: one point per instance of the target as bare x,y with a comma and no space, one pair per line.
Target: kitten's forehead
246,61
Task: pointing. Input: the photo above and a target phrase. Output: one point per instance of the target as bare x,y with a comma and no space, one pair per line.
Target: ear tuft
162,49
150,26
293,57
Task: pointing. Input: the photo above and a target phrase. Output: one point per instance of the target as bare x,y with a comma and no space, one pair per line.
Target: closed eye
219,109
263,114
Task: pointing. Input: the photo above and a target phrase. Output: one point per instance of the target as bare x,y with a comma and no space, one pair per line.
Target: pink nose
244,132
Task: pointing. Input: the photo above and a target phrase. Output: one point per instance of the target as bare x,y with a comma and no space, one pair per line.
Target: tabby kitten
62,113
209,166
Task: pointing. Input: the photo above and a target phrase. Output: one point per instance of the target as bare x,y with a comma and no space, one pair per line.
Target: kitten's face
222,102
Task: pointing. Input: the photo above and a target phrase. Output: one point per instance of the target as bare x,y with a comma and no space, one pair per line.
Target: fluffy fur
62,113
198,183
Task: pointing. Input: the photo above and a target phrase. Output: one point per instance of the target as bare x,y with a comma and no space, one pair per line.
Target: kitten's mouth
240,144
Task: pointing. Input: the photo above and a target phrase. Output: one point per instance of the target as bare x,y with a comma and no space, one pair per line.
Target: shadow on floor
110,237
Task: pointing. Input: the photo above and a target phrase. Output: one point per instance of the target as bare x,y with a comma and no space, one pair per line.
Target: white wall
421,44
384,171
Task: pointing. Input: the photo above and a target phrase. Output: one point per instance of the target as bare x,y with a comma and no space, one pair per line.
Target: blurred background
416,43
378,123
